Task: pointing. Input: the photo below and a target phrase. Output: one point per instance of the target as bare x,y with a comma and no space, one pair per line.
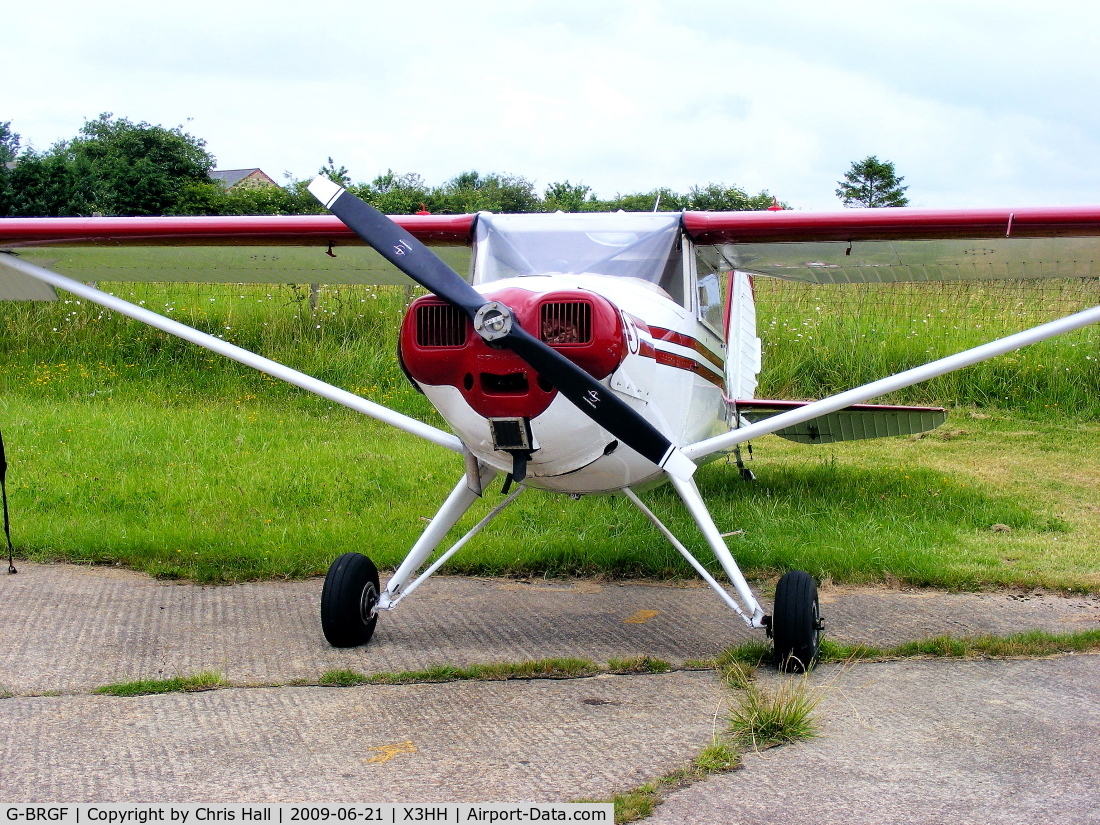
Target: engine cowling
439,347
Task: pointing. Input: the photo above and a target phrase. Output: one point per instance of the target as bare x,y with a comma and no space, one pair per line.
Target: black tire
347,599
796,622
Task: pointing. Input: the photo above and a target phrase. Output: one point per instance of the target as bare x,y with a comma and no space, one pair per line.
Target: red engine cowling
439,347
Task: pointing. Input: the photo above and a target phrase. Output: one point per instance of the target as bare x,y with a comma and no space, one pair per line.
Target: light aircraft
595,353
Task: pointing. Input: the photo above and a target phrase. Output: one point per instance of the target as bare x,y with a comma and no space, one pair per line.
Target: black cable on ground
4,495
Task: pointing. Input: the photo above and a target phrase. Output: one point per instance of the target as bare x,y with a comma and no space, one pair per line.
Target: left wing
893,245
901,244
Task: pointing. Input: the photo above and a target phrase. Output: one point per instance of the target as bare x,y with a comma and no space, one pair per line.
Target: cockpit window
623,245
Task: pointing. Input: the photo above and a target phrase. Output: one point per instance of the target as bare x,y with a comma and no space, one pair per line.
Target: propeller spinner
495,322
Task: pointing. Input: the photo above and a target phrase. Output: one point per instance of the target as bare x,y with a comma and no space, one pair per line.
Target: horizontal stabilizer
15,286
852,423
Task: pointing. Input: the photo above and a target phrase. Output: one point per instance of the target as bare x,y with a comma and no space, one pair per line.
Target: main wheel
796,622
348,600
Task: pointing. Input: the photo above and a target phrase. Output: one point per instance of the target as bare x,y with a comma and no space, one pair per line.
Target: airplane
583,354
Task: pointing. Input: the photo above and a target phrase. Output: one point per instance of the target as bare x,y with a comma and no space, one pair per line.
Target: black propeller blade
495,322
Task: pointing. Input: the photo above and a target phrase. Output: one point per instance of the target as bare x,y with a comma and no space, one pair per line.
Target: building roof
231,177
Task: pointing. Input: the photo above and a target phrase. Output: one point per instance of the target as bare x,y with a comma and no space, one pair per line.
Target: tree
473,192
394,194
9,143
567,197
872,183
338,176
113,167
717,197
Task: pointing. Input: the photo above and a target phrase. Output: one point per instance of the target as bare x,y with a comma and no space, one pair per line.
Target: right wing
302,249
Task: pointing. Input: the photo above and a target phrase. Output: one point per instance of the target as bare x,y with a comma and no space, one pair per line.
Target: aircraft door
742,343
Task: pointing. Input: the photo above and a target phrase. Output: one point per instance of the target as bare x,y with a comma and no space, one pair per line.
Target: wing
38,254
892,245
235,249
883,245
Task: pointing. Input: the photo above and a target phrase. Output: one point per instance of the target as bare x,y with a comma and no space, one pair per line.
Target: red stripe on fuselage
670,359
682,340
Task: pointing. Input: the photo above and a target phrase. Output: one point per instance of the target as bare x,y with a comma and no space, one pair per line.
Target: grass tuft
638,664
207,680
718,757
752,653
637,803
765,717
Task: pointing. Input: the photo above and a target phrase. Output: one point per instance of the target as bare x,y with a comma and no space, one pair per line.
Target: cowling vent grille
440,325
566,322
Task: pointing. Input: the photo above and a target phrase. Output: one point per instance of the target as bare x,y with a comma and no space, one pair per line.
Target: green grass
560,668
822,339
764,717
736,664
1031,643
130,447
207,680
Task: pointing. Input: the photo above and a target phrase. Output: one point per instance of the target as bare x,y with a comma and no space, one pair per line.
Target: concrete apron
70,629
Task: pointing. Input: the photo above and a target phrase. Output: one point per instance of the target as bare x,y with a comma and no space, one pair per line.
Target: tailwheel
348,600
796,622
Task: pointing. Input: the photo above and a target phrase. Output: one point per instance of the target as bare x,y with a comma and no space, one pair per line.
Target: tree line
115,167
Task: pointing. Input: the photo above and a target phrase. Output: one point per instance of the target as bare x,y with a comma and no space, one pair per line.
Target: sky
976,103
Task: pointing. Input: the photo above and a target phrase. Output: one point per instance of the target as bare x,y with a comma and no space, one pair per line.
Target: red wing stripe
890,224
239,230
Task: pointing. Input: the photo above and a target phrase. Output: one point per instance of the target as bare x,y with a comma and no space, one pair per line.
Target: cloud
976,103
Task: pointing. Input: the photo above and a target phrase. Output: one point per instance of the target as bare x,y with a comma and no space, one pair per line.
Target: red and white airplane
596,353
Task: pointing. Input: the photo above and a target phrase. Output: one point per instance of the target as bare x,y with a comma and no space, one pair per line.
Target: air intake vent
440,325
566,322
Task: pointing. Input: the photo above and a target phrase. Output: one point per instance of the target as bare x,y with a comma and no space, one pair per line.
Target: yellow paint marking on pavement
641,617
388,752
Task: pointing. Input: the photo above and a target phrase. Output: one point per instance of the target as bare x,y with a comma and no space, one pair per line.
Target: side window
712,282
672,279
712,301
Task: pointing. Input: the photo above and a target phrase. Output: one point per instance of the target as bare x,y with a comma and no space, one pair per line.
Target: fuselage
632,324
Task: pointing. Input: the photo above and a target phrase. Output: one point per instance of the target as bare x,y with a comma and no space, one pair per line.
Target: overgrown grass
764,717
825,338
207,680
130,447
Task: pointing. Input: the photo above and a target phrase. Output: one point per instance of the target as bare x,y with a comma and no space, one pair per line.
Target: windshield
643,245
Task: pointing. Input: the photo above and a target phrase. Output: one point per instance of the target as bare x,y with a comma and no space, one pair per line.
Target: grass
765,717
822,339
736,664
561,668
129,447
207,680
640,802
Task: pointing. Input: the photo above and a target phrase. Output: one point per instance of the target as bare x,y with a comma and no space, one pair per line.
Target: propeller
496,323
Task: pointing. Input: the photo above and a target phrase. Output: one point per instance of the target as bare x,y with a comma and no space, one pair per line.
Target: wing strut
933,369
243,356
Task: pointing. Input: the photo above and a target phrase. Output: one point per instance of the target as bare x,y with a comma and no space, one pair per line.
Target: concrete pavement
910,731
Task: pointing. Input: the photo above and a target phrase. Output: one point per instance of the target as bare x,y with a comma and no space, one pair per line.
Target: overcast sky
977,103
